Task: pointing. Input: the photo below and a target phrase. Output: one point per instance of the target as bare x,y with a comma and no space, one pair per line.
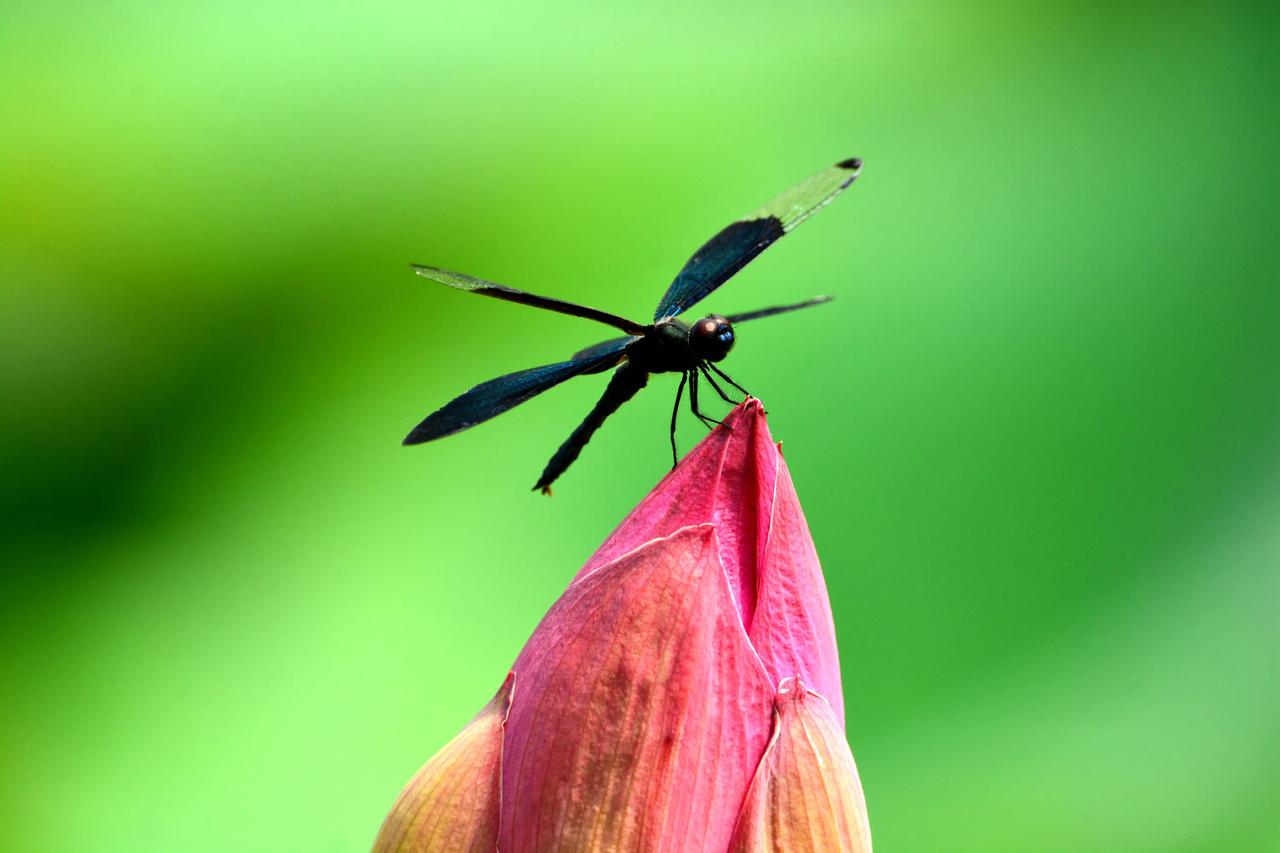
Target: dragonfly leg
727,378
707,421
675,410
723,396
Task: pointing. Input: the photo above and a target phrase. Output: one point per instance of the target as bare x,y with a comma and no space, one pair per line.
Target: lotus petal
451,805
793,631
737,480
806,797
642,709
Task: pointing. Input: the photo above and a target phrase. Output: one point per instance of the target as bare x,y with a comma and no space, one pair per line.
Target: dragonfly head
711,337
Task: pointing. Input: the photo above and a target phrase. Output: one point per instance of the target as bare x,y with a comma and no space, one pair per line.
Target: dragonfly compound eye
711,337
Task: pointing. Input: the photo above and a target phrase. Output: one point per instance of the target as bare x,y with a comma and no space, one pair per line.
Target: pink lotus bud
682,695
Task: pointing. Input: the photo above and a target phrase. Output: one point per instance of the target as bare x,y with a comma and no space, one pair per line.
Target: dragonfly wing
777,309
735,246
459,281
610,346
492,398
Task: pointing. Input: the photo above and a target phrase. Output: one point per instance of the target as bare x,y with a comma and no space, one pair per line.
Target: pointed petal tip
806,794
791,685
793,692
749,412
452,803
501,701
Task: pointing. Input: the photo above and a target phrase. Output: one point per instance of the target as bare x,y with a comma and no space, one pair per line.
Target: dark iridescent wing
777,309
735,246
492,398
510,294
611,345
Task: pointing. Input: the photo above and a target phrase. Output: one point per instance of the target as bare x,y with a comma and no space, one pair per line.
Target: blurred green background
1036,435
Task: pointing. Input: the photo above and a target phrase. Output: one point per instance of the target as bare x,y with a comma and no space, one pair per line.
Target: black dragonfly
667,345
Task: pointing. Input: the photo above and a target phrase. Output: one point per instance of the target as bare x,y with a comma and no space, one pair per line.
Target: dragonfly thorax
673,346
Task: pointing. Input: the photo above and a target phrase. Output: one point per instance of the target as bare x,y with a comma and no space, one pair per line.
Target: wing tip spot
853,164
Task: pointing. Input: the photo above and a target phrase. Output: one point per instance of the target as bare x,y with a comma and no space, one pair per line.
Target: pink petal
806,795
451,805
642,713
726,480
737,480
793,631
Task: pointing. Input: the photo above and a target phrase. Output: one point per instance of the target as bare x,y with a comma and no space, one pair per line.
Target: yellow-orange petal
805,796
451,804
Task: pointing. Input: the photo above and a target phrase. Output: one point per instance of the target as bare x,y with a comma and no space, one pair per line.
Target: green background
1035,436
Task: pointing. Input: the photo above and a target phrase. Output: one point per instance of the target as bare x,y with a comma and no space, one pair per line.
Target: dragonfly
666,345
